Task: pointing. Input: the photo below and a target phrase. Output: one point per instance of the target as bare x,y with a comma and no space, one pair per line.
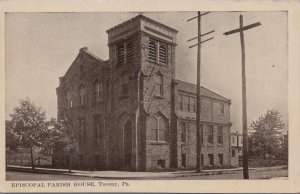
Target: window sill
210,145
159,143
158,96
220,145
158,63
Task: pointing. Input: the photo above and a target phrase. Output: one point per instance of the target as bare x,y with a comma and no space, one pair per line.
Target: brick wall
141,104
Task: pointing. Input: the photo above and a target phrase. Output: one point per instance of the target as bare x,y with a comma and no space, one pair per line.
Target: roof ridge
85,49
202,87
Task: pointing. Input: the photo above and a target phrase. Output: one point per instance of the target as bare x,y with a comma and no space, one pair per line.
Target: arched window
159,128
158,85
152,50
81,92
162,54
97,91
82,131
124,86
69,99
98,128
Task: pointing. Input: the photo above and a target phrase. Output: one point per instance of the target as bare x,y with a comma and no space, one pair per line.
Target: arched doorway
127,145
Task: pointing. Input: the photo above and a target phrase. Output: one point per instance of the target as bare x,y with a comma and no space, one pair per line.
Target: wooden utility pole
198,102
241,30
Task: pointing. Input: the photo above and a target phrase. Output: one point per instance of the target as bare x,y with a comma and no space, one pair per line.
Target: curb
46,171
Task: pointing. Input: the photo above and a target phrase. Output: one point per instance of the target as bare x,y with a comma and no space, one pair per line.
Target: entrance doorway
128,145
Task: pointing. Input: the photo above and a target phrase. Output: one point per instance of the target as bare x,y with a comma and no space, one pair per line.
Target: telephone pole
241,30
198,103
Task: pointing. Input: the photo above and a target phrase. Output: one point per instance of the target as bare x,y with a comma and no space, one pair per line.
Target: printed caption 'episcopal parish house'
131,113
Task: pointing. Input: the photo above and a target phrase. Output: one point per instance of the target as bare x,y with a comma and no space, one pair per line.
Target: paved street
22,176
254,174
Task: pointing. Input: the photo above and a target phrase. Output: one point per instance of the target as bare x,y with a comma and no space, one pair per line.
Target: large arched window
159,128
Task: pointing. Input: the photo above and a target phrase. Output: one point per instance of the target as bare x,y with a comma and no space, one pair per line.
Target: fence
22,159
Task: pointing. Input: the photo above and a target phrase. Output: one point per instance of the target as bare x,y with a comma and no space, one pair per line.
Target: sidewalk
131,175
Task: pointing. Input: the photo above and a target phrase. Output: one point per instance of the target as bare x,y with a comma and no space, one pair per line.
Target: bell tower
142,66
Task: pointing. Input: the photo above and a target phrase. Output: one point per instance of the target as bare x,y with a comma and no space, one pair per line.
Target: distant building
130,113
236,148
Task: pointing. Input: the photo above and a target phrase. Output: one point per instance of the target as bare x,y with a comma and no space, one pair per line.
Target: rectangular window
202,160
220,135
233,140
180,102
220,159
186,103
192,104
221,108
163,129
158,85
120,53
162,135
153,122
184,131
210,136
211,159
153,134
129,49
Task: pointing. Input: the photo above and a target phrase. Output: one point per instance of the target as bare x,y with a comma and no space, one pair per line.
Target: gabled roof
190,88
85,51
141,17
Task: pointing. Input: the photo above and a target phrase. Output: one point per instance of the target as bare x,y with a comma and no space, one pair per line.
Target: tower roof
140,17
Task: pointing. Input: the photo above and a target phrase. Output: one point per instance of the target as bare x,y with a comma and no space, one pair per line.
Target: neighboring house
236,148
130,113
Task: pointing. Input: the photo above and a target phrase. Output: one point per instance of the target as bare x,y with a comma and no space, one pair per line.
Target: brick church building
131,113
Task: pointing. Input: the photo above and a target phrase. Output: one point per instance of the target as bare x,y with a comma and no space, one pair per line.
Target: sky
40,47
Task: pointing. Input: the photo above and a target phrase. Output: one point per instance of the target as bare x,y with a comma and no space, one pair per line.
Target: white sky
41,46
